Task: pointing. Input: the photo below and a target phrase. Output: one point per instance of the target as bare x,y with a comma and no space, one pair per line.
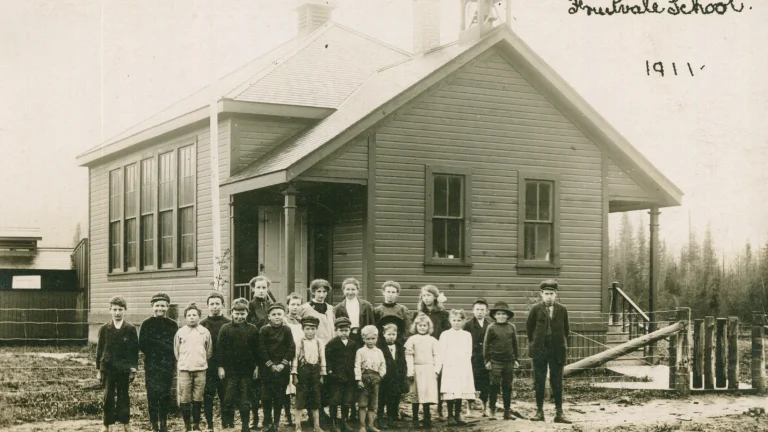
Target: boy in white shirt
193,347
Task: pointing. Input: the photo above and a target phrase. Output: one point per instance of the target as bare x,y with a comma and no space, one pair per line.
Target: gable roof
392,87
318,70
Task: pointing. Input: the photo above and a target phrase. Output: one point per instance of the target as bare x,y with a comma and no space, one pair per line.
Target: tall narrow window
131,215
448,216
148,214
538,219
115,216
187,205
448,208
165,207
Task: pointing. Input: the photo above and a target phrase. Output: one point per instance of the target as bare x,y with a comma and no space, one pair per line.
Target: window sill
153,274
538,269
448,267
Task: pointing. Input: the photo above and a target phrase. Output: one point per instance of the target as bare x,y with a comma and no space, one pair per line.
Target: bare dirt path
702,413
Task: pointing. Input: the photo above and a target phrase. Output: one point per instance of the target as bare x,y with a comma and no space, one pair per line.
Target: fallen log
623,349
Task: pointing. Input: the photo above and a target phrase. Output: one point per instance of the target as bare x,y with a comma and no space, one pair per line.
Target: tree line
696,276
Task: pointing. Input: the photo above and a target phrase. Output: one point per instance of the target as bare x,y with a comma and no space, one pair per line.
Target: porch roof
390,88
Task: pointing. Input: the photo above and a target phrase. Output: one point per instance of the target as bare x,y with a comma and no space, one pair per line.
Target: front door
272,250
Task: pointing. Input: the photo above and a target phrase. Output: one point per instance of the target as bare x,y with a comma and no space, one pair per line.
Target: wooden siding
182,289
347,248
254,136
50,316
622,187
488,118
352,162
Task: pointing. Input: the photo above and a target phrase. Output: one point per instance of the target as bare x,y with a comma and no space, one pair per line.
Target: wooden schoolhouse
470,165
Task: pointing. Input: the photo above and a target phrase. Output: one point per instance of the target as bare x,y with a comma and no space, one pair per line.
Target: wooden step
616,337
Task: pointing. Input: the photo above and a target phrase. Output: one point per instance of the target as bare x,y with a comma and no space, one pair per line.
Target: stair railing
626,313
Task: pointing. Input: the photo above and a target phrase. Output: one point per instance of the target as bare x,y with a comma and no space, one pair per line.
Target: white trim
271,179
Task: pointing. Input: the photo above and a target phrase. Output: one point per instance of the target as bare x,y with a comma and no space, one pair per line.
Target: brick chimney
426,25
312,14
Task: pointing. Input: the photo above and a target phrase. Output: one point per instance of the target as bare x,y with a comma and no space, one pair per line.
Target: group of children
362,359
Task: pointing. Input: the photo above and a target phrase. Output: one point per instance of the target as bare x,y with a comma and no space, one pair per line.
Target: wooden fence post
673,353
721,352
733,353
709,353
682,354
758,353
698,353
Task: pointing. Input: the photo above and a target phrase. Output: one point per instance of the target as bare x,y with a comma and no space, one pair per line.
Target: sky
75,72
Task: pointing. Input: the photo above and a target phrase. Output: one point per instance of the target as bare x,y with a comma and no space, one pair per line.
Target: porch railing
626,313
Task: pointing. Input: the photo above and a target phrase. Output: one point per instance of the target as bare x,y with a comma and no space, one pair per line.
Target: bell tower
478,17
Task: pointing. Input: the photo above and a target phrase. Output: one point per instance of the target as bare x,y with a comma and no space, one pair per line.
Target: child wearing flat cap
308,371
547,328
340,357
276,351
156,343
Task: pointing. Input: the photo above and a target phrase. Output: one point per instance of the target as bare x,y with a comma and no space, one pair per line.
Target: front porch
320,224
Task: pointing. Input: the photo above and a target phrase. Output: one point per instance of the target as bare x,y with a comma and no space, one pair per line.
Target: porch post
653,279
289,206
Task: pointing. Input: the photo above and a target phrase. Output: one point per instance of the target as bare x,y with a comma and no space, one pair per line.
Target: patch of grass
34,388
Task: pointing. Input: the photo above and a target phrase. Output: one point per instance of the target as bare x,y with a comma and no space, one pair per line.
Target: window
148,214
131,214
152,213
447,225
115,216
187,205
538,214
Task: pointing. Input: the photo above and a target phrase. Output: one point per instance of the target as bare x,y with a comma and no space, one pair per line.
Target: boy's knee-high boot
186,414
278,411
287,409
244,418
506,395
196,411
208,411
267,403
415,408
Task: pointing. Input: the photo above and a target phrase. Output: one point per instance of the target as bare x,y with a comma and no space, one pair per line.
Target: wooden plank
369,224
733,353
709,353
758,353
698,353
721,352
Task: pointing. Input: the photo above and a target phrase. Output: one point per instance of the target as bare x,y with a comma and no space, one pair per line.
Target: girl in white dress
422,355
457,379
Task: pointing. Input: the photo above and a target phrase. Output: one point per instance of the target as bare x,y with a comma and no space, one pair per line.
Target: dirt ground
699,413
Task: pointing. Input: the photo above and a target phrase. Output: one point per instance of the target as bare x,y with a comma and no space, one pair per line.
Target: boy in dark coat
276,351
237,350
477,327
156,343
214,322
117,360
547,328
500,356
395,382
257,315
340,367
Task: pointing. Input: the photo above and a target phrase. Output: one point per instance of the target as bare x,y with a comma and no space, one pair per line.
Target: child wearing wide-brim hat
500,356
